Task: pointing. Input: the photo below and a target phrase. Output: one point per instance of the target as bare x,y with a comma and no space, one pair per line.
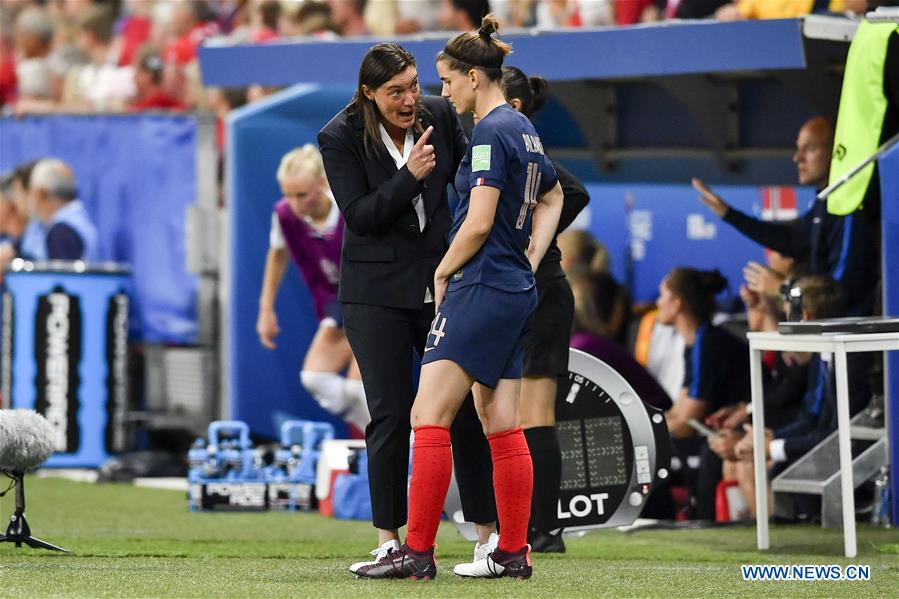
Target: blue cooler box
65,354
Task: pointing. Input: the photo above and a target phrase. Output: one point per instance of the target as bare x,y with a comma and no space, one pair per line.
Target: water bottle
880,515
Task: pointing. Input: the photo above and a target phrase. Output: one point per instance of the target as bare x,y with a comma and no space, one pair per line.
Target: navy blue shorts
482,329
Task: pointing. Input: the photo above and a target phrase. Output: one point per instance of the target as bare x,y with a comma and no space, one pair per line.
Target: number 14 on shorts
436,332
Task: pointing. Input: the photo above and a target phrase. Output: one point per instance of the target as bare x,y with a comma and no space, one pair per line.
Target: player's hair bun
489,26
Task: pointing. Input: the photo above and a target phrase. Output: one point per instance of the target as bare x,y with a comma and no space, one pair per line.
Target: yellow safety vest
860,120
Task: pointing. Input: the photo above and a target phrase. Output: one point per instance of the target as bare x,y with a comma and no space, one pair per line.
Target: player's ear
516,104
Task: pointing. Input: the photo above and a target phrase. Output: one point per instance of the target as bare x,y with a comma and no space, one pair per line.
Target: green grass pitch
134,542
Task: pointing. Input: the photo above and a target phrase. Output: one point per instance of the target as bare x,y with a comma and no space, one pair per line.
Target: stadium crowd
133,55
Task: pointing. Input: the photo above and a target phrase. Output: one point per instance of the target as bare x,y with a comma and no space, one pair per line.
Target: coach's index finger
424,137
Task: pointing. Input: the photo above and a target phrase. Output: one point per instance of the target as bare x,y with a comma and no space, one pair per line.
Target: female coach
484,293
389,156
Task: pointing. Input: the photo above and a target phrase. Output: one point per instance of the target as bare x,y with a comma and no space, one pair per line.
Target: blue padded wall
265,385
136,175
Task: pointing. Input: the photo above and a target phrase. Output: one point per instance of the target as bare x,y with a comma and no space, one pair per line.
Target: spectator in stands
822,297
582,252
33,34
817,235
66,55
691,9
33,234
7,58
134,28
12,218
264,21
34,86
191,23
101,85
12,222
608,316
69,233
601,308
148,82
768,279
413,16
462,15
784,375
785,9
713,378
347,14
309,18
783,372
575,13
33,39
629,12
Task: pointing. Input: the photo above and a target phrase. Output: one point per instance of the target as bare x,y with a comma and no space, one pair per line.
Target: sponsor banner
117,381
292,496
229,496
57,354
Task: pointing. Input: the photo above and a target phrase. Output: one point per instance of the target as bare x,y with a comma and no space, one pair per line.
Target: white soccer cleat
379,553
482,551
498,564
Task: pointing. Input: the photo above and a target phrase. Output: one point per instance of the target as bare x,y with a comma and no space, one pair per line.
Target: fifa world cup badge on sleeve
480,158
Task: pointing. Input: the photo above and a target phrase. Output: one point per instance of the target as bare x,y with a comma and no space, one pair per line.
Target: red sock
432,467
513,484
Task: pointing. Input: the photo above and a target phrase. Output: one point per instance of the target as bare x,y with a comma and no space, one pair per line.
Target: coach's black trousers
383,341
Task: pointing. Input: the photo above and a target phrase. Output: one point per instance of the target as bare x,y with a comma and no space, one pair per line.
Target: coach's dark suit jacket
387,260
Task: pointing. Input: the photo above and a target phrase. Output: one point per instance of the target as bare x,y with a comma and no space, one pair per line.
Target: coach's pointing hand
422,160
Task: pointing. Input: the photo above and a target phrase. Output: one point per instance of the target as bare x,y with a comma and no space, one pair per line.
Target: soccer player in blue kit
484,292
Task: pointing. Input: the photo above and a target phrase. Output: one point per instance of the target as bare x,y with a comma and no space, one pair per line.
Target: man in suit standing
389,156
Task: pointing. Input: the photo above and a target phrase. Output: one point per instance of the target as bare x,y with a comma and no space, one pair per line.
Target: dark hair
7,183
602,305
475,10
477,50
381,63
531,91
312,17
149,59
822,296
201,11
269,13
22,173
697,289
99,21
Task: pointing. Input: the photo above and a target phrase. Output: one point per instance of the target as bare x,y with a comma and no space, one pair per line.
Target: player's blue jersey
504,152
